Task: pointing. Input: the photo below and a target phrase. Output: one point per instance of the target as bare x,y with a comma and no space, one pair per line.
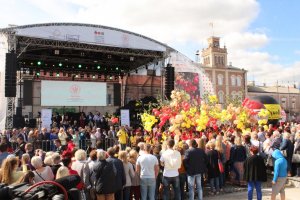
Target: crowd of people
156,165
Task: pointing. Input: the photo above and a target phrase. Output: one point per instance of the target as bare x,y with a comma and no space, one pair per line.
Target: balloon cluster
184,112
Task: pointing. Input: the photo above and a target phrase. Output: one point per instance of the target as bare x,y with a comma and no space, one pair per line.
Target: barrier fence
48,145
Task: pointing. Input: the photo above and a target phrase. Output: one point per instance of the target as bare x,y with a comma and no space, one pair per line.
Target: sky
261,36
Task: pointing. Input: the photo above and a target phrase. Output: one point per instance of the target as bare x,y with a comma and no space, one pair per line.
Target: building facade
287,97
228,82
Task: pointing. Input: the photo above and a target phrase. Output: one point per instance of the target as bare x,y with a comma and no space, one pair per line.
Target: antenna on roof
211,24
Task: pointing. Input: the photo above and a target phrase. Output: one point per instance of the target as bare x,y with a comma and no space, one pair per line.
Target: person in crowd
221,149
25,163
44,135
297,152
247,144
80,165
105,178
76,138
70,144
261,134
182,173
287,147
27,178
120,178
195,162
29,149
9,173
123,136
67,162
213,167
31,137
93,139
157,153
24,134
41,173
280,175
129,173
147,166
48,161
58,147
56,163
238,155
255,173
255,142
4,153
62,136
171,160
202,143
62,172
135,191
21,147
276,140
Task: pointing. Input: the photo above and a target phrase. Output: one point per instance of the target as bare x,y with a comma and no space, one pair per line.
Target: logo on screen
75,90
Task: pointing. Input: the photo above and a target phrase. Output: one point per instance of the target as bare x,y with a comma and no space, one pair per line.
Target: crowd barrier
48,145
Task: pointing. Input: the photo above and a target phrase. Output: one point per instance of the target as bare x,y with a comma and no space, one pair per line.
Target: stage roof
67,46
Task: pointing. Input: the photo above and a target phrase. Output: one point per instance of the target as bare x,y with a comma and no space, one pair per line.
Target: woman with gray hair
41,173
105,177
81,166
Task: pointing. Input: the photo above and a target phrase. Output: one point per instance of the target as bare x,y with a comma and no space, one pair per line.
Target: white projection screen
73,93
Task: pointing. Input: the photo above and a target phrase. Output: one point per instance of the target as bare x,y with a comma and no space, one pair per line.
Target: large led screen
73,93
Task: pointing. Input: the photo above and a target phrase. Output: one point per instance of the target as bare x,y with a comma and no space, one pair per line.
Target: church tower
214,56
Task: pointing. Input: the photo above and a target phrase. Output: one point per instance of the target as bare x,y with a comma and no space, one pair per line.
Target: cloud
171,22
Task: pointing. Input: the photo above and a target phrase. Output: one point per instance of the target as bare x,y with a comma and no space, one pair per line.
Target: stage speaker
18,121
32,123
10,74
19,111
117,94
169,80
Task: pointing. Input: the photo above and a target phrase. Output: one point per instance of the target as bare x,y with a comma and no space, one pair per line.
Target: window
293,103
283,102
216,60
233,80
233,94
222,60
239,80
221,96
219,60
220,79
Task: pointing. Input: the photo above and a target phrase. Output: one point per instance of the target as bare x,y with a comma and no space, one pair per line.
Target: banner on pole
125,117
46,115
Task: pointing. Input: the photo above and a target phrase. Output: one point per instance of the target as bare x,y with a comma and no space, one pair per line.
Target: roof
273,89
87,33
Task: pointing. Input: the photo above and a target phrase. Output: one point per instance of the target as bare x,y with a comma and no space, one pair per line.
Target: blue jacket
280,165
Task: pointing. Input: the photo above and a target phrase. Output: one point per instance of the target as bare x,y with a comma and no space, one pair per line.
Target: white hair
36,162
62,172
80,155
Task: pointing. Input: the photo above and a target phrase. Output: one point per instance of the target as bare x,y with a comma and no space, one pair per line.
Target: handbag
220,164
296,158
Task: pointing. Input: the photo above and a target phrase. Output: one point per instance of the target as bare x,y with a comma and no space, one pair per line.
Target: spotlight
98,67
117,68
37,73
60,64
94,76
39,63
79,66
57,74
76,76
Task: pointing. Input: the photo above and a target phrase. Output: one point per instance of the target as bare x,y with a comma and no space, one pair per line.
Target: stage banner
189,76
46,115
125,117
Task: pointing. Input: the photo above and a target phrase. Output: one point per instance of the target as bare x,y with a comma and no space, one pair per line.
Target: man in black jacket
105,177
195,162
120,178
255,172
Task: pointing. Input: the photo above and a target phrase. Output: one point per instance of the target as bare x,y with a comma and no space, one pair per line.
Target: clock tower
214,55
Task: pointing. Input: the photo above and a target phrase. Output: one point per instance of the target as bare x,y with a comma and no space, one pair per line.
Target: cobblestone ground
291,194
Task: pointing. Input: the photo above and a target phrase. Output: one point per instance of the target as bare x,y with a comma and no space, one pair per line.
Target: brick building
227,80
